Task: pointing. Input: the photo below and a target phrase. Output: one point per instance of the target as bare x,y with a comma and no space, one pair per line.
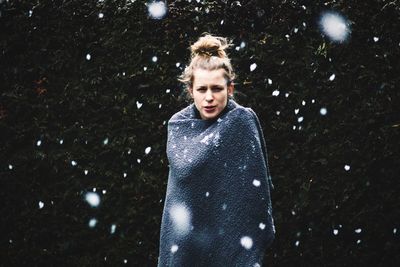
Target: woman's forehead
209,77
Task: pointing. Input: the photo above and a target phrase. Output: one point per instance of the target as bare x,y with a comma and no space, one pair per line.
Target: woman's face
210,92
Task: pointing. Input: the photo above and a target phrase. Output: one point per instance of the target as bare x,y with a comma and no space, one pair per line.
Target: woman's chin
209,116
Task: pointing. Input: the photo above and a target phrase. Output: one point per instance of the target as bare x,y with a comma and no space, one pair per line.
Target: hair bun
208,46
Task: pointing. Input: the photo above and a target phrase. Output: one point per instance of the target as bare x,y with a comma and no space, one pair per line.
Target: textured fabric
217,209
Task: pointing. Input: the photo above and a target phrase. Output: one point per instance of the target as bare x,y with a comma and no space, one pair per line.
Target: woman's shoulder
243,112
183,113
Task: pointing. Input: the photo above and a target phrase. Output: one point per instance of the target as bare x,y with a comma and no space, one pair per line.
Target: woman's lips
209,109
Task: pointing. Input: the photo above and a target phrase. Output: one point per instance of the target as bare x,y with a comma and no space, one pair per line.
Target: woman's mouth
209,109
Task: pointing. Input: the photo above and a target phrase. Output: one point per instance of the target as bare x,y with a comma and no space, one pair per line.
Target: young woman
217,209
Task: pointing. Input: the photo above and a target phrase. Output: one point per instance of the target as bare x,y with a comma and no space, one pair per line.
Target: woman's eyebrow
215,85
212,86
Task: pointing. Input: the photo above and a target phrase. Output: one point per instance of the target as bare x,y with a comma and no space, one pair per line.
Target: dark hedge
82,98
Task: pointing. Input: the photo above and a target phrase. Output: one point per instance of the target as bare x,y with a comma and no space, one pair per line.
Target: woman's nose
209,95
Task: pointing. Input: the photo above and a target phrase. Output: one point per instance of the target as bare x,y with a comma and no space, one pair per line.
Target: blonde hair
208,53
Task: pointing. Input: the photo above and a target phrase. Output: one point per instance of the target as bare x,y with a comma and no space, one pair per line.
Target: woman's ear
190,89
231,88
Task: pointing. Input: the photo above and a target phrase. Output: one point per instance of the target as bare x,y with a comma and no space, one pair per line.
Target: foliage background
50,90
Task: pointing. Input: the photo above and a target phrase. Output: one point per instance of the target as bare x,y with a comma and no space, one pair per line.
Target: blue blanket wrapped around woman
217,209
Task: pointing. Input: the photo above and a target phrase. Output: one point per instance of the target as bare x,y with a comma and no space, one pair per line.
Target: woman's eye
216,89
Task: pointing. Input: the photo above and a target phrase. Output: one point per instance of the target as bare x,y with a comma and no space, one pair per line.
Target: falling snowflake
93,199
275,93
181,217
334,26
157,9
113,227
246,242
174,248
92,222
